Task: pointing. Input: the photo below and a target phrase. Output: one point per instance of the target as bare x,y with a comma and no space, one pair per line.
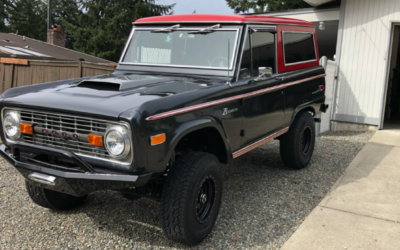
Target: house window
298,47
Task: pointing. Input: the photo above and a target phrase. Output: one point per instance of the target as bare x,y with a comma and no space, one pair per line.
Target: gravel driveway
263,204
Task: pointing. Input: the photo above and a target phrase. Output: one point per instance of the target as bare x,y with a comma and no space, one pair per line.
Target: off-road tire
180,199
294,152
51,199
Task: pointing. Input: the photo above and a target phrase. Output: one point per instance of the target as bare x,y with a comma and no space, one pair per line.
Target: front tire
191,197
51,199
297,145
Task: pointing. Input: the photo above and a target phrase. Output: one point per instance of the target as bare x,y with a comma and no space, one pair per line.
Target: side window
263,51
259,51
245,66
298,47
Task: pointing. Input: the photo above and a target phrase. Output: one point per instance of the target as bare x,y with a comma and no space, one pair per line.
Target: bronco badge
227,111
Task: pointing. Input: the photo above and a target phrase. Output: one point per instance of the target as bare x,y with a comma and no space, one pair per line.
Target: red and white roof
212,18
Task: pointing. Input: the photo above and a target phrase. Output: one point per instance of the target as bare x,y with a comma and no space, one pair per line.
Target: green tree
28,18
257,6
4,17
64,12
103,26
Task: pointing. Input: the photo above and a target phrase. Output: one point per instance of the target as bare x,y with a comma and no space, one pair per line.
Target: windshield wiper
167,30
206,30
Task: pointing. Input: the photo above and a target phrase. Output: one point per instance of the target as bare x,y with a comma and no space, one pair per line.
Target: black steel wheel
297,145
205,199
306,140
191,197
51,199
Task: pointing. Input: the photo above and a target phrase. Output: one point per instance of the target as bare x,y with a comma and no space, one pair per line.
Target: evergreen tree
64,12
4,17
257,6
28,18
104,25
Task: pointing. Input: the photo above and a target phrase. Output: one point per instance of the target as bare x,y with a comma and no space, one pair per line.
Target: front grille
65,132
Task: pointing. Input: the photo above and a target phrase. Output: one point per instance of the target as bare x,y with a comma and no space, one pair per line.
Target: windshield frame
234,43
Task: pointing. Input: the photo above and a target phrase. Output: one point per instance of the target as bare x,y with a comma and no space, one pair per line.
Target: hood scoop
120,83
108,86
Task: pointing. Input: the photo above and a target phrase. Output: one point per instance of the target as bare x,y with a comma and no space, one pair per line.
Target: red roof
211,18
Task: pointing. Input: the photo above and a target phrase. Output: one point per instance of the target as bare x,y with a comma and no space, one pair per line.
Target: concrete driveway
362,210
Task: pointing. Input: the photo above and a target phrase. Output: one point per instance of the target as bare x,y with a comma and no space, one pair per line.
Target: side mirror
323,61
264,72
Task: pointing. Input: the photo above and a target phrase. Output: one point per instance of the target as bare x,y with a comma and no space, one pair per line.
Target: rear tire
191,197
297,145
51,199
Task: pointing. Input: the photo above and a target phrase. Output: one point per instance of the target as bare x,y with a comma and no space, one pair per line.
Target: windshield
182,48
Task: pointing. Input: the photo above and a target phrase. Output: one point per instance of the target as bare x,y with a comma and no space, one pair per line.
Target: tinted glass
263,51
298,47
182,48
261,54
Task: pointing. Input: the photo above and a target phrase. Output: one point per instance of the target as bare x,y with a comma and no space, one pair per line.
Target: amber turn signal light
96,140
157,139
26,128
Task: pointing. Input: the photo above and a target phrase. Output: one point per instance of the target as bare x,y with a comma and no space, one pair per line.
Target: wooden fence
20,72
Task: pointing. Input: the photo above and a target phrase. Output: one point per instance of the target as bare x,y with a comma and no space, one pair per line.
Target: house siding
363,60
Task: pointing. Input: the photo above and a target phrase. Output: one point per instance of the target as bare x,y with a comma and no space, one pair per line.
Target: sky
201,6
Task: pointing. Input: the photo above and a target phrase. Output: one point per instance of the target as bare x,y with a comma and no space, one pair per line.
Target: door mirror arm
263,72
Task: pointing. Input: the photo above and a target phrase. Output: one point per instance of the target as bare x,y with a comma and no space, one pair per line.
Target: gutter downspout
338,56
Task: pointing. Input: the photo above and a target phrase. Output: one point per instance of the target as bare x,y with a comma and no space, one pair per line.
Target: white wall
331,14
362,69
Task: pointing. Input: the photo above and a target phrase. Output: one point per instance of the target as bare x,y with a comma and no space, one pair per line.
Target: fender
154,165
312,106
190,126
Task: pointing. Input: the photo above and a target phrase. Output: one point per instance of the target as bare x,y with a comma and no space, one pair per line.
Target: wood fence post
2,73
79,68
12,75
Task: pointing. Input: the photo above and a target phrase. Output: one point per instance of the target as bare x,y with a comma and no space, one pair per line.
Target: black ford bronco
191,92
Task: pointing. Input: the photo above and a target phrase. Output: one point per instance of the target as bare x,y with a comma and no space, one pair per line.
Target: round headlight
11,125
117,142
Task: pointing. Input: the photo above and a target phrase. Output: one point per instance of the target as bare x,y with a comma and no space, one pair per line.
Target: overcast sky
201,6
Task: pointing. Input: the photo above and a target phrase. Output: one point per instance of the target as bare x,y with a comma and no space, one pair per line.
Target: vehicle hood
105,96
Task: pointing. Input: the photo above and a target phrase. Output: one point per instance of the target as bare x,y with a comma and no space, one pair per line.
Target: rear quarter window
298,47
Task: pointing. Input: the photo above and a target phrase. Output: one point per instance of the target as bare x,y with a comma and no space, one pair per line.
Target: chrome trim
283,47
259,143
16,116
241,56
42,178
127,141
126,46
232,63
228,99
125,124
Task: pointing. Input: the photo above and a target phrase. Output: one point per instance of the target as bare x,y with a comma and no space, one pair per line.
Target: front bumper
78,182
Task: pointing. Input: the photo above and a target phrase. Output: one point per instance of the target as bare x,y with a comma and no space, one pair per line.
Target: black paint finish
132,96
